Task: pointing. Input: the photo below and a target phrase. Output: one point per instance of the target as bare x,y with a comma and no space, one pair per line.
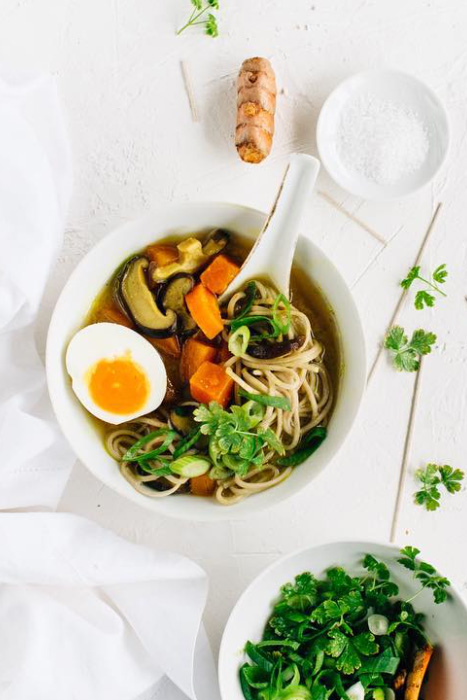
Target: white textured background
135,146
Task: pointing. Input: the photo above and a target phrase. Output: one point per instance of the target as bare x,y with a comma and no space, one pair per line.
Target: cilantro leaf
198,16
440,274
349,651
425,573
423,297
406,354
433,476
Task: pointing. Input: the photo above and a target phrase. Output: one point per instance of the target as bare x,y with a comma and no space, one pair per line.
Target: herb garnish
236,439
424,297
406,354
198,16
318,643
425,573
433,476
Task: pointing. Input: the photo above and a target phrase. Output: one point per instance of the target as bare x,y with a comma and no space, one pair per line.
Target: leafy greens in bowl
354,622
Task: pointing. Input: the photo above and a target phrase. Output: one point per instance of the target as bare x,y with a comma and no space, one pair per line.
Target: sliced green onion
378,624
187,442
247,301
252,320
164,470
190,466
145,456
308,445
254,411
278,314
238,341
219,473
265,400
245,683
258,658
132,452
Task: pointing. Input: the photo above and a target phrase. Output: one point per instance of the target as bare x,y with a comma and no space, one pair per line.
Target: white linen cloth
35,184
84,615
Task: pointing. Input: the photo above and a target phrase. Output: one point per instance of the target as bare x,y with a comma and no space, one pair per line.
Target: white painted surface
135,146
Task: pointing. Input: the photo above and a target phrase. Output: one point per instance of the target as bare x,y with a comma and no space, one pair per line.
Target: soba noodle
299,376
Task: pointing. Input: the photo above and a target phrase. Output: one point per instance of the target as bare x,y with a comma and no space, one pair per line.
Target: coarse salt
381,140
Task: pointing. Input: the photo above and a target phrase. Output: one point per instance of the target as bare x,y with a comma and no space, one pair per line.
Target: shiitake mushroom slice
268,351
140,303
172,296
216,241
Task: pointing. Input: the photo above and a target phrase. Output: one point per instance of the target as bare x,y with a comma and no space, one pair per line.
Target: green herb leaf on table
199,17
425,573
433,476
406,354
423,297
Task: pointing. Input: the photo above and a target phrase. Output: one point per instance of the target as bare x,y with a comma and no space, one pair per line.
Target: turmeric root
417,674
256,105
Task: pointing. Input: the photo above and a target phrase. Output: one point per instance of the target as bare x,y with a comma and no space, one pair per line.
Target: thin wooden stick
337,205
406,453
399,304
189,91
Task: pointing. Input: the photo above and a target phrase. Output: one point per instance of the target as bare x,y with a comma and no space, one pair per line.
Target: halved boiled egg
116,374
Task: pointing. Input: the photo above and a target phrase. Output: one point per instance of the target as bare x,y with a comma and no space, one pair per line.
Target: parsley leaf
406,354
237,441
198,16
425,573
349,650
423,298
433,476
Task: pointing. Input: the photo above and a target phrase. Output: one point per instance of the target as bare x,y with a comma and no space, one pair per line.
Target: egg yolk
118,385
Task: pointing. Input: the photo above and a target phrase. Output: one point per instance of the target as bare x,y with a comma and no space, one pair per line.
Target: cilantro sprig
432,477
425,297
199,17
406,353
425,573
236,439
320,639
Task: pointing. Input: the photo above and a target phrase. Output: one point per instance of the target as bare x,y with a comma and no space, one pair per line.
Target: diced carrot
219,274
211,383
223,354
202,485
203,306
167,346
162,254
111,314
194,353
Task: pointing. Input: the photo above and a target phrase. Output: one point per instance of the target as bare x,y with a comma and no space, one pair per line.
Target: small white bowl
399,88
446,624
86,282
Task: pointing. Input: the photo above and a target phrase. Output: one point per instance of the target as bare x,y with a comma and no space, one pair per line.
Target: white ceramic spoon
272,255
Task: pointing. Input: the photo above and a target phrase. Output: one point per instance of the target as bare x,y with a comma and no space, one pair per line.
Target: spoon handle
273,252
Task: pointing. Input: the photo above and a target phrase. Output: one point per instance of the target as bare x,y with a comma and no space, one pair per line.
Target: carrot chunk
111,314
211,383
202,485
167,346
162,254
219,274
203,306
194,353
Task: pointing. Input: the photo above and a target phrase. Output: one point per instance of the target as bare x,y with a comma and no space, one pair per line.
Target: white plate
446,624
88,279
392,86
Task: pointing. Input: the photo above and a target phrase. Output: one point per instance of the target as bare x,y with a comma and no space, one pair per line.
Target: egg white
107,341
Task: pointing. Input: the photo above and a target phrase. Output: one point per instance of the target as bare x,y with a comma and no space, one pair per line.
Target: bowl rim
329,163
346,542
54,381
